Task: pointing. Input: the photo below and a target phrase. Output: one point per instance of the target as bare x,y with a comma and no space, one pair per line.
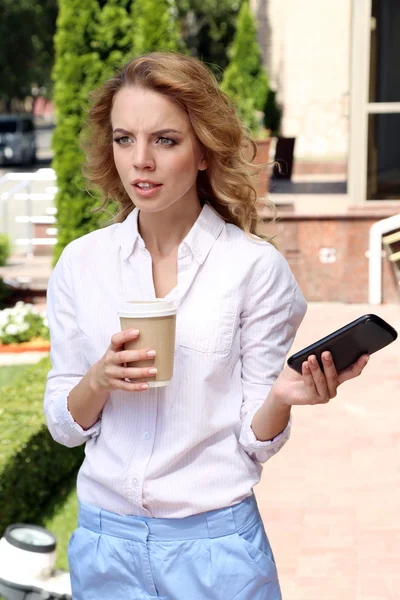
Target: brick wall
309,243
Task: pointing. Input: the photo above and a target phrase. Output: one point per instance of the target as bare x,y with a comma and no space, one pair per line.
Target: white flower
4,315
11,329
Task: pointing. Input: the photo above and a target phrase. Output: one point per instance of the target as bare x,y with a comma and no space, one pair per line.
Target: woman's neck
162,232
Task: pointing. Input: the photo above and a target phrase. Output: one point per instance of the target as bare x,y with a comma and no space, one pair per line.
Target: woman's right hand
111,372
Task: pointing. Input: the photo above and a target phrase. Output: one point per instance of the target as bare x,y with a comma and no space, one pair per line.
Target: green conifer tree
156,27
90,42
245,79
114,35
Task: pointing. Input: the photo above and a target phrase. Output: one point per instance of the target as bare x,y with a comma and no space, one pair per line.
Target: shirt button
147,435
135,481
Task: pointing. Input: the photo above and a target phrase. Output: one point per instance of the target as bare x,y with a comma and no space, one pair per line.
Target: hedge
5,249
36,473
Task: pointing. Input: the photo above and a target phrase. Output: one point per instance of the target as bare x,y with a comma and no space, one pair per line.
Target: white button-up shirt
187,447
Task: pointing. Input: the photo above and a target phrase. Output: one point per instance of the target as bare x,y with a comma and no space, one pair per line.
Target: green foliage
26,48
36,473
5,248
63,523
272,114
113,37
245,80
207,28
88,45
42,38
5,293
155,27
22,323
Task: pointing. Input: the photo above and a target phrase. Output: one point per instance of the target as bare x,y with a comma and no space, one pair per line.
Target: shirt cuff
257,449
69,427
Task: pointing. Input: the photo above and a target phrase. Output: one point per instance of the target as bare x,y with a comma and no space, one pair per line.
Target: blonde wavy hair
227,184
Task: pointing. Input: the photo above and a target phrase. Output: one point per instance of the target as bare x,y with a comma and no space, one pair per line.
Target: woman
165,490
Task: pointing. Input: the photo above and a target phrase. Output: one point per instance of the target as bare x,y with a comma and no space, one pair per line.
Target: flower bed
34,345
23,329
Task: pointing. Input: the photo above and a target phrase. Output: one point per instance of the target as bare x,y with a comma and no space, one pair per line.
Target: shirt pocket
210,328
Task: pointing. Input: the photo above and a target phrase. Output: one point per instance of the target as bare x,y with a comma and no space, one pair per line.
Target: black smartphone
365,335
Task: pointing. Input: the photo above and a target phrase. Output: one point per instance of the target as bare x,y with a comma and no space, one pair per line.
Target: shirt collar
129,234
206,229
200,239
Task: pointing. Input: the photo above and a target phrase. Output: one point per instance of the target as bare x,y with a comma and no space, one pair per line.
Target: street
44,153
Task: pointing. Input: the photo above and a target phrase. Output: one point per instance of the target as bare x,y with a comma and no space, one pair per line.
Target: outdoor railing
375,254
18,206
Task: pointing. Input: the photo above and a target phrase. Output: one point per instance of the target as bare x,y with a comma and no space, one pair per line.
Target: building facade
334,68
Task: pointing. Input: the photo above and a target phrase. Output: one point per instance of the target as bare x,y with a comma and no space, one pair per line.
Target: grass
30,459
11,373
62,524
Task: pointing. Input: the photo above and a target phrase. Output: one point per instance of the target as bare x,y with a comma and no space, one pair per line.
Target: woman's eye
122,141
162,141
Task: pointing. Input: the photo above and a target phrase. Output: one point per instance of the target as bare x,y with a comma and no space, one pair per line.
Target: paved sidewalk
330,500
32,273
20,358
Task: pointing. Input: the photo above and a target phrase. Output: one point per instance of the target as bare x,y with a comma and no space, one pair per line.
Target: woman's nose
143,157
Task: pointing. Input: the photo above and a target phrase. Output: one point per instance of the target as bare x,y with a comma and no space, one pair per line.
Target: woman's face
156,152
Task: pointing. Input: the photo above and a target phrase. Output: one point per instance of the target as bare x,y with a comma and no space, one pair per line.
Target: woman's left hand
314,386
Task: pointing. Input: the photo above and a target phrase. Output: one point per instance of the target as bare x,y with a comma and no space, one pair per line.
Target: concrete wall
306,49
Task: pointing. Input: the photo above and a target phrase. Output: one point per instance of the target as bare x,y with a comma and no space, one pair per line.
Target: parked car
17,139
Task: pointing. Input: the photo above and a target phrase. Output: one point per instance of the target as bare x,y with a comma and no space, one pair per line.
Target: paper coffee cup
156,321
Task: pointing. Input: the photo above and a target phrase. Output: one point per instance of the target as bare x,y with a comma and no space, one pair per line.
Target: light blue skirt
217,555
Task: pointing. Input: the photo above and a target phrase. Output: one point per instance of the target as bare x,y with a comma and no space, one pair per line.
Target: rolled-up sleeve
273,311
68,366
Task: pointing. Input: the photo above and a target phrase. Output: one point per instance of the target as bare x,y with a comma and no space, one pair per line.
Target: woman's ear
203,164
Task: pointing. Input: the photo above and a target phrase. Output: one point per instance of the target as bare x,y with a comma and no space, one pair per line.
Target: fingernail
134,331
152,371
151,353
144,386
367,359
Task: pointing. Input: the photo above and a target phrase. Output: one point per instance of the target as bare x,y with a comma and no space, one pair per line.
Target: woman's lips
147,192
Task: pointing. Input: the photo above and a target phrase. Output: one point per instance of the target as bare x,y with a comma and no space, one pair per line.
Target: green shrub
5,293
77,70
155,27
245,79
5,249
36,473
272,114
22,323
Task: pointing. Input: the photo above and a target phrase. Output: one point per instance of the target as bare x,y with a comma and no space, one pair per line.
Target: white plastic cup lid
149,308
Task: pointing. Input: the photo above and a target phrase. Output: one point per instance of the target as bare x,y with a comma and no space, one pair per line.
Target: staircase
391,243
